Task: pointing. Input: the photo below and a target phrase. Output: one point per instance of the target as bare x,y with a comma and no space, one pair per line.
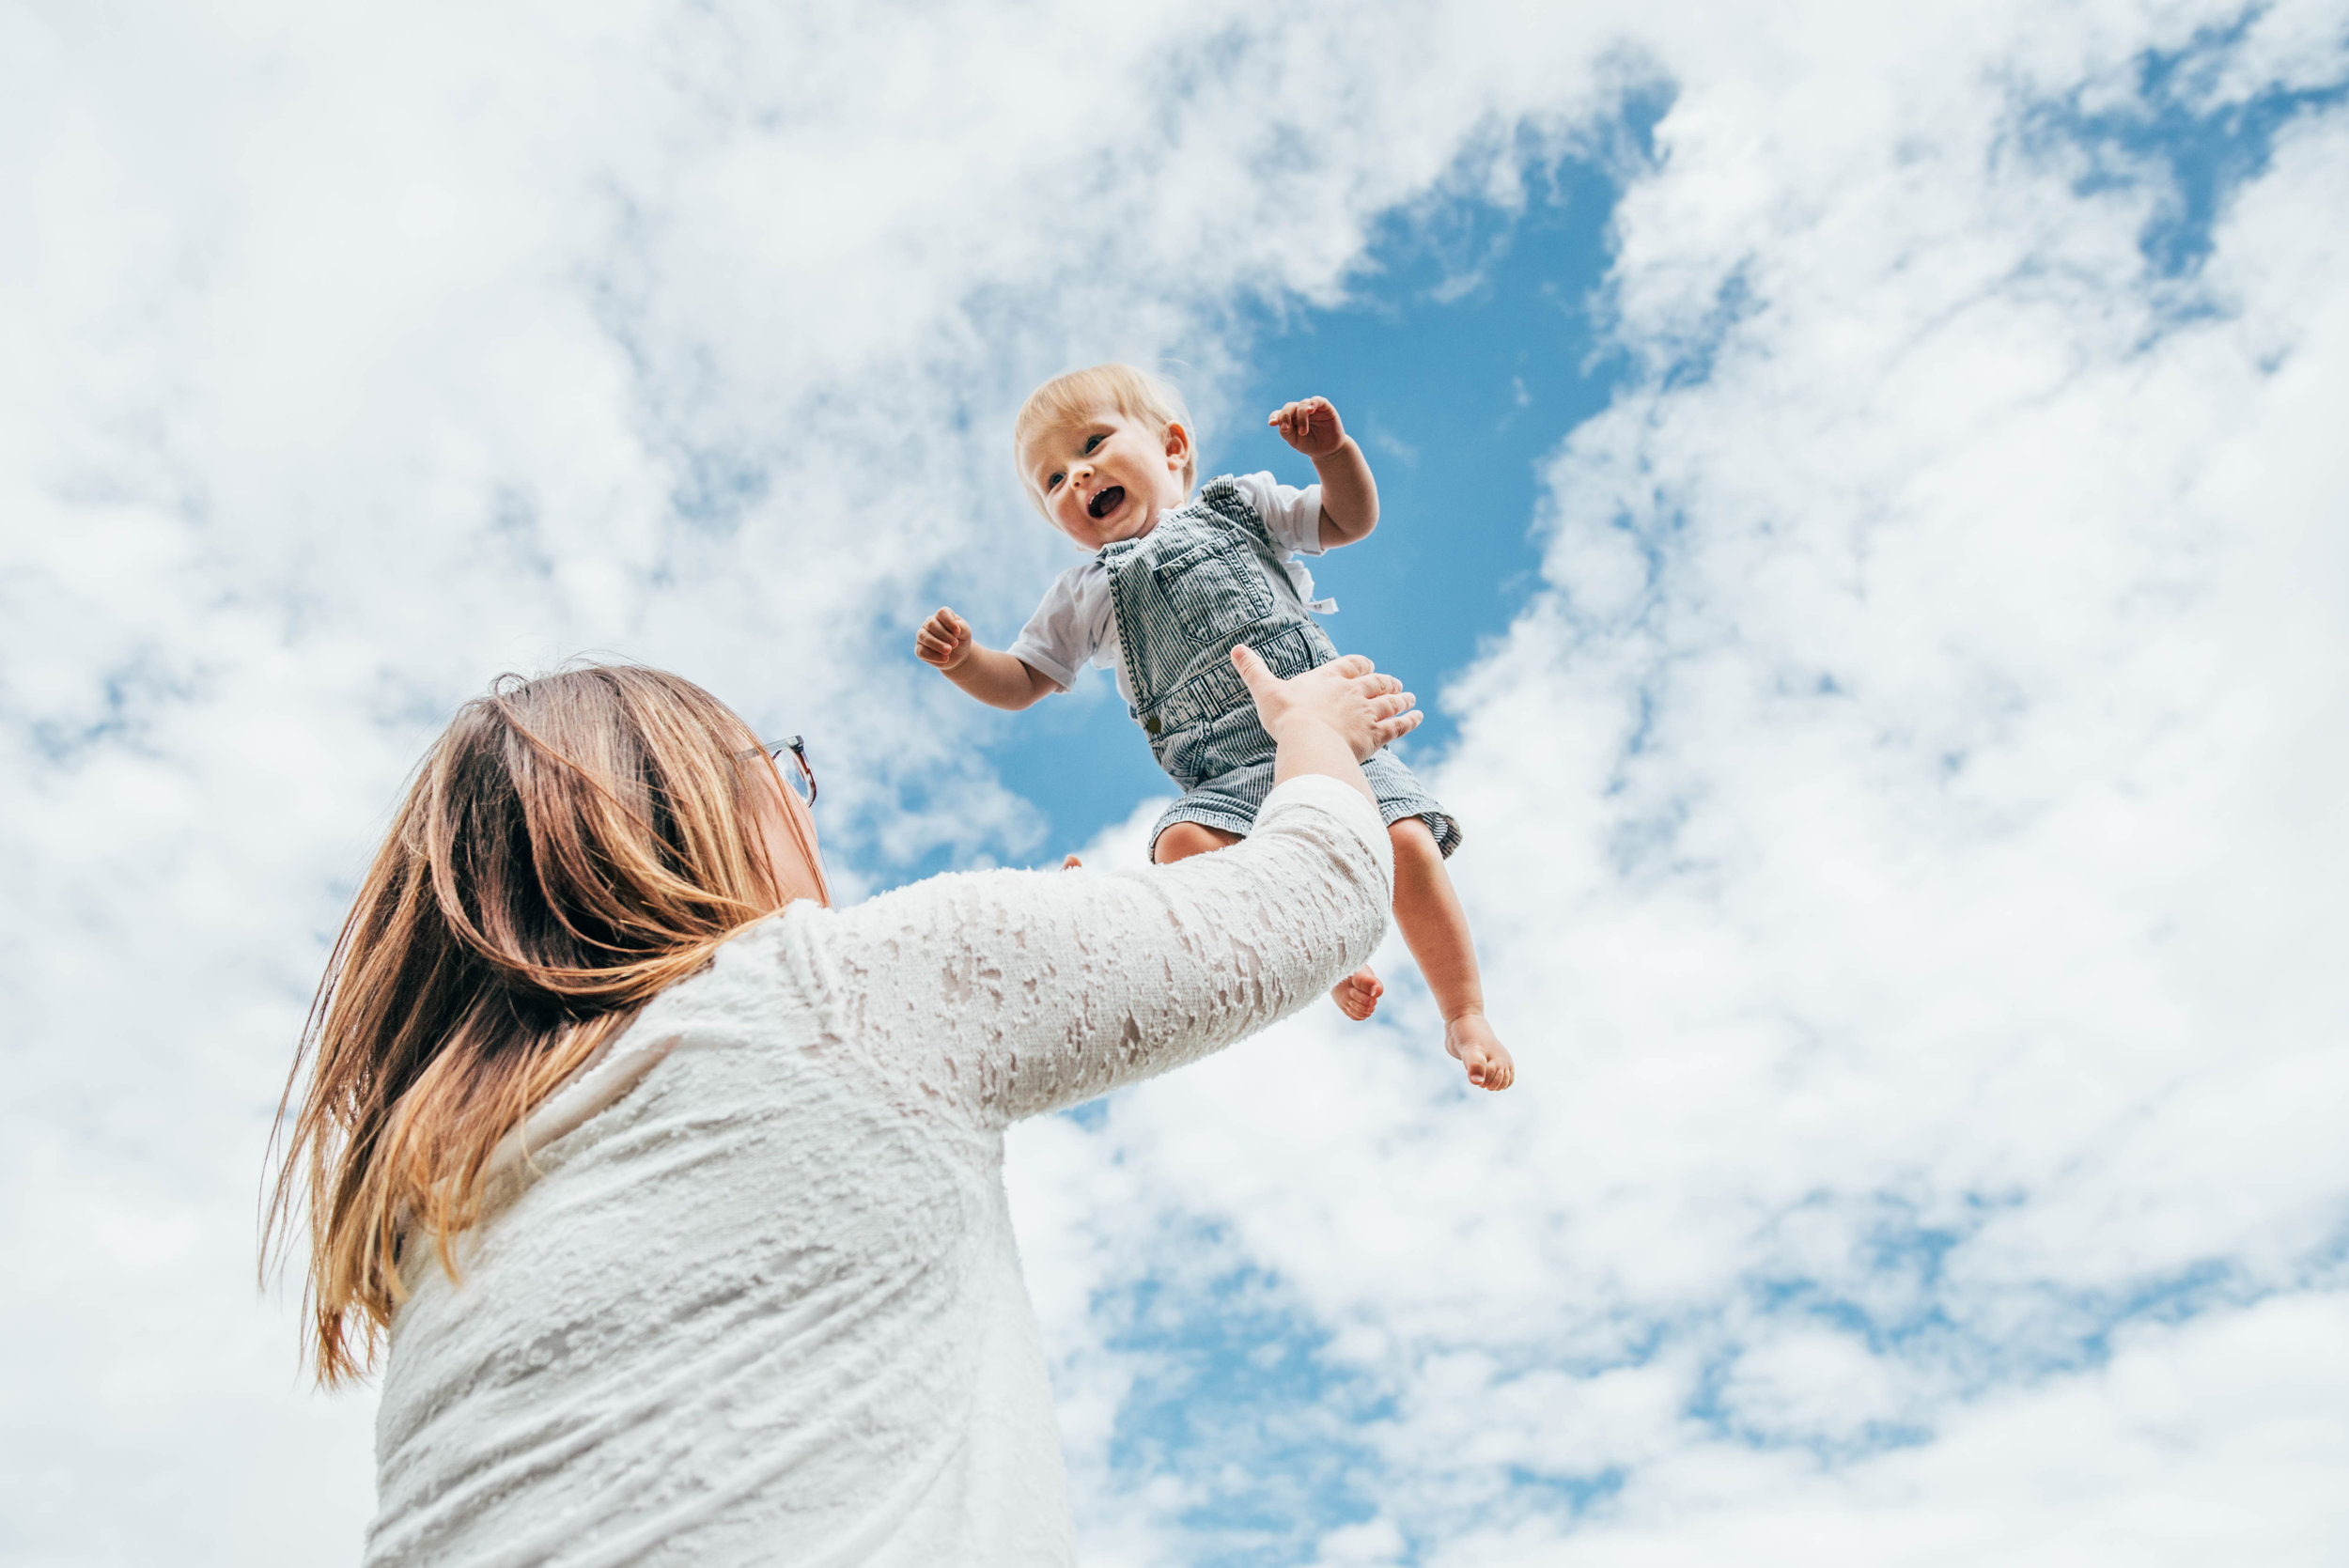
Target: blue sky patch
1235,1397
2195,151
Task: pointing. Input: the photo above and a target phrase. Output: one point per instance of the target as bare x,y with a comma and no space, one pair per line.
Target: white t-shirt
1077,624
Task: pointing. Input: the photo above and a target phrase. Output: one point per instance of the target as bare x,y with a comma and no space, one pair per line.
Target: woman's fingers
1253,670
1367,708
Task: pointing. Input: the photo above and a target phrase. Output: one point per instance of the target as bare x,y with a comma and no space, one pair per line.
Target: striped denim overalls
1206,577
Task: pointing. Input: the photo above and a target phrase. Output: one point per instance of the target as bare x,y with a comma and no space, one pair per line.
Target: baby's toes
1499,1070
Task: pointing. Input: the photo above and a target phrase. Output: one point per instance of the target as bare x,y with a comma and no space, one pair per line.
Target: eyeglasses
805,783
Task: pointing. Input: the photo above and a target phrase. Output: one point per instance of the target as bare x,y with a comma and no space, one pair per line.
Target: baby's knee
1183,840
1413,841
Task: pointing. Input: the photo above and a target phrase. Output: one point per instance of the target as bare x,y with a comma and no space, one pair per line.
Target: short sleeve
1069,627
1292,517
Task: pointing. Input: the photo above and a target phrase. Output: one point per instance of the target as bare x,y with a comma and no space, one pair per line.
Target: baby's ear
1178,441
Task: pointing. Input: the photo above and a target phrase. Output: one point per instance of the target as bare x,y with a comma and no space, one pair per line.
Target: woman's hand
1347,699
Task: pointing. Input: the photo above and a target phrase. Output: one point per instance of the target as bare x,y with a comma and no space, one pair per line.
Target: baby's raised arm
994,677
1349,496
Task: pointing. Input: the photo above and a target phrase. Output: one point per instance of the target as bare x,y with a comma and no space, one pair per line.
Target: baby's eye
1053,484
1092,442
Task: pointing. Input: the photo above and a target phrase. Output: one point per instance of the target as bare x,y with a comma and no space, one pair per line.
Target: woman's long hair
571,846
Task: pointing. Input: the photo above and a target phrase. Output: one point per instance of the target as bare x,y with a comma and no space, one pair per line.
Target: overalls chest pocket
1214,588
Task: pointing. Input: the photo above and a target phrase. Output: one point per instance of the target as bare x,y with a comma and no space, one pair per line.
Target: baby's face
1108,477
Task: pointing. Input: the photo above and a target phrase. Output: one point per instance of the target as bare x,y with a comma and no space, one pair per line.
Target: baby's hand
1312,426
1358,994
944,640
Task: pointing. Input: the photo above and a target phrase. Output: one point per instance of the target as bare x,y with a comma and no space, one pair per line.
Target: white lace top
755,1297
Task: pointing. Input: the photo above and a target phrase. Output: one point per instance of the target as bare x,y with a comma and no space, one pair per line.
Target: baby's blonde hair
1080,394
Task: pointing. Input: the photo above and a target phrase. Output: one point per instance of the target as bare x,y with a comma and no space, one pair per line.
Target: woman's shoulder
845,957
947,898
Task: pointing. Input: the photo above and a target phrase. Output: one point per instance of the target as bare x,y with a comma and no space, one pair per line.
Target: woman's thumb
1252,668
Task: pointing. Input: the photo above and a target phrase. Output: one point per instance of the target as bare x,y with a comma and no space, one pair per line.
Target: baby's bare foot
1358,994
1480,1050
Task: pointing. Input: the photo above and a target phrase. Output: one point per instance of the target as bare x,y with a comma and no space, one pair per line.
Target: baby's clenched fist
1310,424
944,640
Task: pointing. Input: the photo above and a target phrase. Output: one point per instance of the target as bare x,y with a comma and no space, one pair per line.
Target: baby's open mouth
1104,504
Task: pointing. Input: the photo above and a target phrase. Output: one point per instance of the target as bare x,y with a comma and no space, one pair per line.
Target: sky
1863,510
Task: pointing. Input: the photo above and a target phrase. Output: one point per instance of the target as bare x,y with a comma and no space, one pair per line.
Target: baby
1169,586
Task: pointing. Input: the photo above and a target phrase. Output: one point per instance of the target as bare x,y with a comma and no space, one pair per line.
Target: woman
686,1216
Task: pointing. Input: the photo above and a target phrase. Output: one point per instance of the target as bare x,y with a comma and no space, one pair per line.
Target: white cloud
1915,896
2211,1442
1946,967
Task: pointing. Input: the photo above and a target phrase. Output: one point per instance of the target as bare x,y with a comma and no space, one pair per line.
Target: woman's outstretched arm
1014,993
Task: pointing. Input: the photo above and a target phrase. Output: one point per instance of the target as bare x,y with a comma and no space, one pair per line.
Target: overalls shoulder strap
1223,497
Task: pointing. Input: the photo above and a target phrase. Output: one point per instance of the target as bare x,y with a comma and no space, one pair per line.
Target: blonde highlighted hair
570,847
1077,396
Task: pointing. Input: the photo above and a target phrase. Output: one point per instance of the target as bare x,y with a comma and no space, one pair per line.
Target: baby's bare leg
1437,929
1357,995
1183,840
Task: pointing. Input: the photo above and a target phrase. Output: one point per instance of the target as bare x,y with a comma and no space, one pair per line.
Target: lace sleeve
1012,993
